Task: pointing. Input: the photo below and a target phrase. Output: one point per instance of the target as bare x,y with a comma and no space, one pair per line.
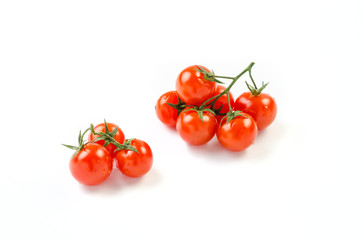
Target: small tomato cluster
92,162
201,107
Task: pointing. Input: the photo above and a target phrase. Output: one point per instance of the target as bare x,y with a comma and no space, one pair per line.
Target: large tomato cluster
92,162
201,108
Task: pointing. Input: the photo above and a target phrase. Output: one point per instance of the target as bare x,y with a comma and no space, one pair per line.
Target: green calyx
209,76
108,138
81,143
255,91
217,111
200,111
127,146
179,106
231,115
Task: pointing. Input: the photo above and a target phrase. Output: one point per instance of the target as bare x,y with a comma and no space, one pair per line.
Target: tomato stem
180,106
108,137
255,91
209,76
84,134
223,77
252,80
235,79
80,143
228,96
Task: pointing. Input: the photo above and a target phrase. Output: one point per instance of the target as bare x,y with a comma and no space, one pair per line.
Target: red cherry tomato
223,101
134,164
238,134
119,137
192,87
91,165
262,108
166,113
194,131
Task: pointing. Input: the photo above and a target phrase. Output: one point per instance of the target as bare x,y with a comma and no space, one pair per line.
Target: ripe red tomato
134,164
166,113
194,131
192,87
238,134
91,165
261,107
119,137
222,101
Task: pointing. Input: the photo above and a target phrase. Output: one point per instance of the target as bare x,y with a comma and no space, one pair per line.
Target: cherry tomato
119,137
166,113
192,87
261,107
223,101
193,130
134,164
91,165
238,134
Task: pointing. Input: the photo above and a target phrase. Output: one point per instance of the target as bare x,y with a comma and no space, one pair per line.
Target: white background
66,64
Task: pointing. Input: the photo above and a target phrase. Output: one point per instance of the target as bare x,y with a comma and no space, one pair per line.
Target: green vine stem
231,114
234,80
180,106
81,143
108,138
228,96
254,89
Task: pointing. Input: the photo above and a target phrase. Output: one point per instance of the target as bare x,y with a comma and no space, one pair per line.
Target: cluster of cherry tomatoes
92,161
201,107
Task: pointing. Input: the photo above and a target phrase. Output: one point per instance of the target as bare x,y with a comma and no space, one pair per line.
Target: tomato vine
107,136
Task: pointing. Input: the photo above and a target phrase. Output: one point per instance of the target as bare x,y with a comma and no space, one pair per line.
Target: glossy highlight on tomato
91,165
262,108
133,164
193,130
166,113
238,134
119,137
192,87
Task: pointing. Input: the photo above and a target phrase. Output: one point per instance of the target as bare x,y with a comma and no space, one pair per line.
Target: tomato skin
192,88
262,108
134,164
238,134
194,131
166,113
223,101
119,137
91,165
